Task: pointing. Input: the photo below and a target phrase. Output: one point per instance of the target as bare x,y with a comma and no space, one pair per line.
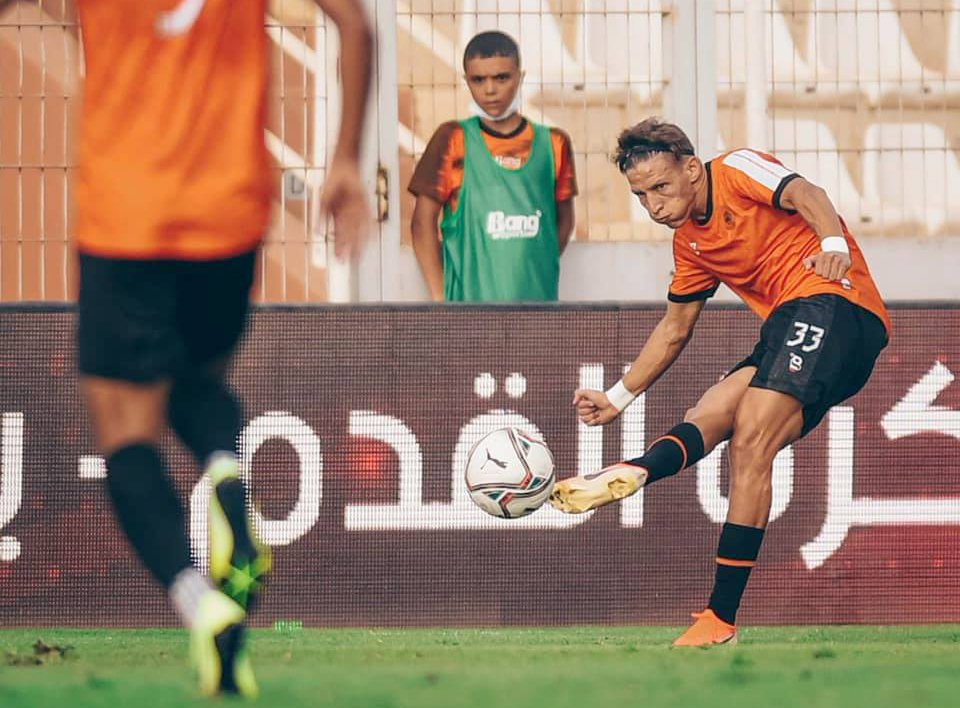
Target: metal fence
861,96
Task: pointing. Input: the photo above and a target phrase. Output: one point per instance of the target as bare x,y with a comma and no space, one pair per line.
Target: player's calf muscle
753,447
752,451
751,467
750,499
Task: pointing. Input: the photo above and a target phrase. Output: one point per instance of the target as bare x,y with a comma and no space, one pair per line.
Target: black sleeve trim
702,221
779,191
692,297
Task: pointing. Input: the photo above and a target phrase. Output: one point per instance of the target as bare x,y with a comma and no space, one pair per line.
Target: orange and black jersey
747,241
439,173
171,161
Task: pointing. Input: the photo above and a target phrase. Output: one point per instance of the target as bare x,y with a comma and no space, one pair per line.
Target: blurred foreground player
172,188
774,239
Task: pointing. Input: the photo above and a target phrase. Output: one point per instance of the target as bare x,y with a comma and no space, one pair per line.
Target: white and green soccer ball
509,473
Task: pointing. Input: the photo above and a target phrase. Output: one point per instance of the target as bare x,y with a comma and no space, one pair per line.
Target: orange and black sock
681,447
736,555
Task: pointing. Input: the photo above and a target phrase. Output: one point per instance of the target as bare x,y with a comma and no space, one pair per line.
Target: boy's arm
426,244
566,221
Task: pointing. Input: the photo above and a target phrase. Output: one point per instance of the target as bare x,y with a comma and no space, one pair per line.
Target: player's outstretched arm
344,193
815,207
661,349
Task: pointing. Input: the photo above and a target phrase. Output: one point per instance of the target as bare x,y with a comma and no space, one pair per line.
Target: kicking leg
704,426
766,421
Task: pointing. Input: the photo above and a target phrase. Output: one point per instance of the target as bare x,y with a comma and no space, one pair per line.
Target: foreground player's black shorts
147,320
819,349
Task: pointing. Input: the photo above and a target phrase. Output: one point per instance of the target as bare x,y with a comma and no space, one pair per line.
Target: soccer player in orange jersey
172,195
773,238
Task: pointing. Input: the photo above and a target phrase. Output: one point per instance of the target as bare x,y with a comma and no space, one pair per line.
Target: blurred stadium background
861,96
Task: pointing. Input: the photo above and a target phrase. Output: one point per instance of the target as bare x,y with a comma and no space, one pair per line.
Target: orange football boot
707,630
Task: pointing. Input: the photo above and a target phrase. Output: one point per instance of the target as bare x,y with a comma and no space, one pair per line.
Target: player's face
665,187
493,81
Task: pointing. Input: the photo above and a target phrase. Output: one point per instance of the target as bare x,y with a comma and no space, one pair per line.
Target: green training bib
500,244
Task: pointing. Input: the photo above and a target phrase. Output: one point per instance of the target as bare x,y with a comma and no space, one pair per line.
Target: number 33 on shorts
801,330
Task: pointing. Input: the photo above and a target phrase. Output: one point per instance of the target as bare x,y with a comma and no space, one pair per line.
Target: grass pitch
577,667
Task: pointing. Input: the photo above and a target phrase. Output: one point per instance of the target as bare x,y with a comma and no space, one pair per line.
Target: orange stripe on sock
679,442
735,563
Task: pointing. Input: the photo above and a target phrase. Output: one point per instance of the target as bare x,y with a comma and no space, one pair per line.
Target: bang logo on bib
501,226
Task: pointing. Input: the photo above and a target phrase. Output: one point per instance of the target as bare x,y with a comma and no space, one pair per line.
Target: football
509,473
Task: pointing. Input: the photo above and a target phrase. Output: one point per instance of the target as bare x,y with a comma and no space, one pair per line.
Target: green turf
581,667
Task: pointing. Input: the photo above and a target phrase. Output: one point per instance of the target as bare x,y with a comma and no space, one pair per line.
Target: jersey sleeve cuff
691,297
420,190
779,191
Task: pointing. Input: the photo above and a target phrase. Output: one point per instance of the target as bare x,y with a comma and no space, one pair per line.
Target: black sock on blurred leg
148,510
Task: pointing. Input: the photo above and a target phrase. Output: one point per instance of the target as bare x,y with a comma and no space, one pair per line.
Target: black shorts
147,320
818,349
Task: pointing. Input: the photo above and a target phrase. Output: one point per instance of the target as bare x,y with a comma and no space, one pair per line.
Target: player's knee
743,441
752,443
751,467
114,431
700,412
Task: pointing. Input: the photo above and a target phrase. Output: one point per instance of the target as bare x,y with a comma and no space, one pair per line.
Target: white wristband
619,396
834,244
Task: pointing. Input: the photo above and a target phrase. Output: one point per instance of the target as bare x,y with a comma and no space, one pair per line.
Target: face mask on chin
512,109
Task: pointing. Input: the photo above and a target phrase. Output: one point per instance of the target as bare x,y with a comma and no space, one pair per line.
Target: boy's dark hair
646,139
491,44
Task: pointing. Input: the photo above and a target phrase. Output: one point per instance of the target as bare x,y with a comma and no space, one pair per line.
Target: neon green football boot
218,648
239,563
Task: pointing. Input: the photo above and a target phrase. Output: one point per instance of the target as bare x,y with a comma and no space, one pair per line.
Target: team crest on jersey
693,246
727,218
501,226
796,363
